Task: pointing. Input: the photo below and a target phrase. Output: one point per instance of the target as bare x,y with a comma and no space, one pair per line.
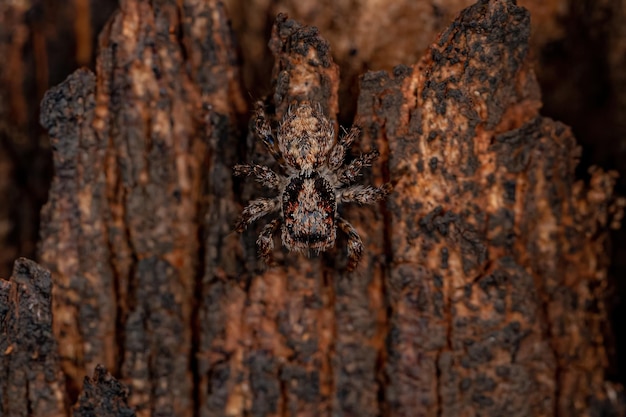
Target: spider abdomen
309,208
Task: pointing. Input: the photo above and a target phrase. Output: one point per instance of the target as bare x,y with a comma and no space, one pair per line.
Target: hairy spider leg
263,130
264,175
255,210
338,153
265,242
355,245
349,174
363,194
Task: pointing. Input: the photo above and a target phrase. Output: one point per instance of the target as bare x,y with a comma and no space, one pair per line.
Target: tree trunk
480,293
41,42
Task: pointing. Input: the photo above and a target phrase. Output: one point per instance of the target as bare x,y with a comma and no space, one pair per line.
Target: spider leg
349,174
265,242
363,194
263,174
338,153
355,245
255,210
263,130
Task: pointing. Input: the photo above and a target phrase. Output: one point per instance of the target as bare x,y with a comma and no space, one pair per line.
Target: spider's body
309,211
316,181
305,138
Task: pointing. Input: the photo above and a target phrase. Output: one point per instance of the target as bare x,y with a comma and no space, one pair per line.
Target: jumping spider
315,182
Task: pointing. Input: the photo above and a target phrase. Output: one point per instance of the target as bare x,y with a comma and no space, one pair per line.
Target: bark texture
370,35
103,396
481,291
493,282
121,229
32,383
41,43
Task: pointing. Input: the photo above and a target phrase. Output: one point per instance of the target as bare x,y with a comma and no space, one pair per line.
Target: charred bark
482,287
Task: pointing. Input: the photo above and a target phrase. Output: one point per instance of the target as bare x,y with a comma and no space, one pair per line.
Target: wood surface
482,287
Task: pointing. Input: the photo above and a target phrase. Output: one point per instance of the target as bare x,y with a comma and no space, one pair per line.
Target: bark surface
493,283
481,290
41,43
103,396
32,382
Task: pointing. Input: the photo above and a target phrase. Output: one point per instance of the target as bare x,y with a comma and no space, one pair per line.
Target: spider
316,181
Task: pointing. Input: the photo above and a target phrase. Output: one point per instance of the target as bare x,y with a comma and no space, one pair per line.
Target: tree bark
103,396
32,380
482,286
33,383
494,278
41,42
122,226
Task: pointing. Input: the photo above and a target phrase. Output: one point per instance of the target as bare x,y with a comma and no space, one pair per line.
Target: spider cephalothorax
315,182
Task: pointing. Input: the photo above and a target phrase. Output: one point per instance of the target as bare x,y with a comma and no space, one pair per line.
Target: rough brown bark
494,283
32,383
84,290
122,225
103,396
482,288
41,43
370,35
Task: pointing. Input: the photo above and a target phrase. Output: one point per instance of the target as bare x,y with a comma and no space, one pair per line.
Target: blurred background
578,50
